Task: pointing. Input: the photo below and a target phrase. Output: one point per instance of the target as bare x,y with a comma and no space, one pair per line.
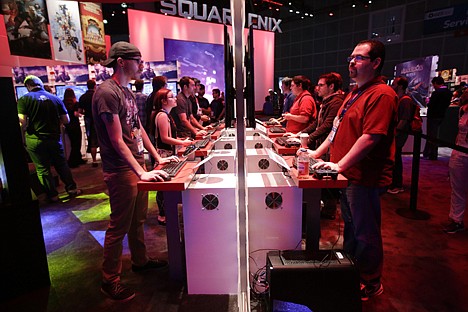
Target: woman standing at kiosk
163,129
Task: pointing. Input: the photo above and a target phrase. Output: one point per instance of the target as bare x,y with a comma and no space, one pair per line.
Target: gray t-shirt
183,106
112,98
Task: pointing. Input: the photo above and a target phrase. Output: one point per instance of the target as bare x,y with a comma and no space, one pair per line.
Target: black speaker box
325,280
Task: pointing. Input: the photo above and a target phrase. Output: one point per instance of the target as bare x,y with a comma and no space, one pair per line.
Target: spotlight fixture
353,5
331,14
297,12
124,12
124,5
370,1
104,21
291,11
306,14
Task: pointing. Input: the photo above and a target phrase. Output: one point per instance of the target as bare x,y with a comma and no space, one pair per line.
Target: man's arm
114,130
297,118
360,149
195,123
183,119
65,119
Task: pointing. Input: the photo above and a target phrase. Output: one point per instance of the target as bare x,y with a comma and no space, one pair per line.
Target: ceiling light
297,12
353,5
104,21
124,5
331,14
306,14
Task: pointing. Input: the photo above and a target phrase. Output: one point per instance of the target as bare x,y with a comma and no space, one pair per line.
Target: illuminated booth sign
191,9
451,18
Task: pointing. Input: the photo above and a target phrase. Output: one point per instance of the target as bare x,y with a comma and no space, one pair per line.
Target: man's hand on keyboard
326,165
201,132
186,142
172,159
154,175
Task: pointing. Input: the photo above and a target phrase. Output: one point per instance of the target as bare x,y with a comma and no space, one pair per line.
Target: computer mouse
168,178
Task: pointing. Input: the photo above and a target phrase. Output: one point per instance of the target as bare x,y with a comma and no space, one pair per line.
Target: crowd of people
359,134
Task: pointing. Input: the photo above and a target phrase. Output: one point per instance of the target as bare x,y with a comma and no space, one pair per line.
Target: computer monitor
147,88
172,85
20,91
79,90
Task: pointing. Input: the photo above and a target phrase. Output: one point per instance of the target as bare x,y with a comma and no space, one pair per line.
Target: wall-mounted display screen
79,90
172,85
204,61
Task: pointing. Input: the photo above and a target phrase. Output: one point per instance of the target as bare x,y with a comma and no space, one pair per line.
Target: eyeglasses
321,84
138,60
357,58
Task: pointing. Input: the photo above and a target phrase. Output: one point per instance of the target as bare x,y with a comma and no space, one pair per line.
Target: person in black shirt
217,106
438,104
84,107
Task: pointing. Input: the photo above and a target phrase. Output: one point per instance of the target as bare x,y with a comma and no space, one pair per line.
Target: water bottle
303,164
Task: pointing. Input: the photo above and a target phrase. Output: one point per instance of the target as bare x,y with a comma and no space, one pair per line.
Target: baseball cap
121,49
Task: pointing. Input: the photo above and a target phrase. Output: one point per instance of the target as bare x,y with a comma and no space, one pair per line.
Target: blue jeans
360,209
47,152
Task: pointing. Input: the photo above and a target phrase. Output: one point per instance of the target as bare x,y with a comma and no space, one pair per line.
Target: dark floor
424,270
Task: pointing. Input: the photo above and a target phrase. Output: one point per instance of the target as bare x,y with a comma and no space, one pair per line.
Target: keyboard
189,149
202,143
283,141
277,130
173,168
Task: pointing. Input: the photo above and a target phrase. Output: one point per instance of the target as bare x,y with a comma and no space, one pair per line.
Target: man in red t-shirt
362,149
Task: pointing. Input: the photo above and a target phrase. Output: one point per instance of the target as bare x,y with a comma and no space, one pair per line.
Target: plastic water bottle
303,164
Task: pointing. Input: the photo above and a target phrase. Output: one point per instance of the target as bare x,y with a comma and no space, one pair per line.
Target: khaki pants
128,215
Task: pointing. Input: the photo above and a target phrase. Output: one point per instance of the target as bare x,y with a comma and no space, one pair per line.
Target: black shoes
454,227
370,291
117,291
150,265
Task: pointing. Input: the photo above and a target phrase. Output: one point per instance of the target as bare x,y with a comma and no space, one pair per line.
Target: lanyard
349,103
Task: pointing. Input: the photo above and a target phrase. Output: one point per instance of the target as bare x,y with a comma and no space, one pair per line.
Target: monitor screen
20,91
172,85
147,88
79,90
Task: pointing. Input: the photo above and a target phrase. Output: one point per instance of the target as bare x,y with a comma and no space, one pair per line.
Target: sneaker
75,192
117,291
395,190
454,227
150,265
370,291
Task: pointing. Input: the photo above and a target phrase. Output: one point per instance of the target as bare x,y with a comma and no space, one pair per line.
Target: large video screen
79,90
204,61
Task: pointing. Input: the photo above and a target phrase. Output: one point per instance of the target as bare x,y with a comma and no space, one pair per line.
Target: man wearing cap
122,140
41,115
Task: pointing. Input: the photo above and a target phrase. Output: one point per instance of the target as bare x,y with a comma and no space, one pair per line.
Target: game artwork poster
419,73
26,28
65,26
93,32
20,73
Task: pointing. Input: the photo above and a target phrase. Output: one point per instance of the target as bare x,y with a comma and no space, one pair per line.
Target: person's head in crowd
299,84
49,89
32,82
366,61
328,84
437,82
197,85
69,94
90,84
400,83
286,85
201,90
158,82
267,98
187,85
216,93
162,98
122,56
139,85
